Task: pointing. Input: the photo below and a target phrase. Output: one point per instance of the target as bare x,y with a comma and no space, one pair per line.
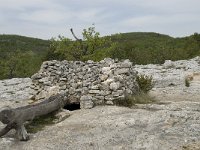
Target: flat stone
94,91
103,77
105,69
168,64
90,61
105,92
109,98
121,71
63,79
86,104
109,103
116,94
58,72
126,64
86,98
115,86
99,97
94,87
108,81
36,76
62,115
63,87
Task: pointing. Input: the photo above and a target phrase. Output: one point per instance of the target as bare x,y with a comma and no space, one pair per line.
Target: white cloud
47,18
44,16
155,20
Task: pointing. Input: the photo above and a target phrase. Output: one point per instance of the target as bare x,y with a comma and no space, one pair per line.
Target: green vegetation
145,48
9,43
145,82
188,79
19,64
22,56
187,82
91,47
139,47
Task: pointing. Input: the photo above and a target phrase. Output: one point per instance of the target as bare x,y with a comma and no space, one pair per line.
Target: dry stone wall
90,83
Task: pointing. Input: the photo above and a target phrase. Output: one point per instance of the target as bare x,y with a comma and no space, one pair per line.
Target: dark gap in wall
72,106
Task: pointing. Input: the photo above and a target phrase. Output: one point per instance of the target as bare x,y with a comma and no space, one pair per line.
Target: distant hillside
22,56
22,43
144,48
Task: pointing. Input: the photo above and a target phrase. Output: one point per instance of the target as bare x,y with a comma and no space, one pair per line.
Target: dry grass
131,100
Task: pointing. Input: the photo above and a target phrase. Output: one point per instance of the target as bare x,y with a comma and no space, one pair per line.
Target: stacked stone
90,83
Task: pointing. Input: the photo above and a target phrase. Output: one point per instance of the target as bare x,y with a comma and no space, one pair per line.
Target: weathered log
15,118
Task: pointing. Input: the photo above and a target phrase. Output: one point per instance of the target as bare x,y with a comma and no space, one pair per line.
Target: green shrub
131,100
188,79
145,82
187,82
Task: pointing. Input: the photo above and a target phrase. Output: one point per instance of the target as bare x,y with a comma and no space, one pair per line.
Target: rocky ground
152,127
15,92
170,79
173,123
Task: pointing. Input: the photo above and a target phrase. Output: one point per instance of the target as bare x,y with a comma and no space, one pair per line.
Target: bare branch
83,47
75,35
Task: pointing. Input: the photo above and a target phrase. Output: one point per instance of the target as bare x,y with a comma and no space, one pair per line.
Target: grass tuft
131,100
39,123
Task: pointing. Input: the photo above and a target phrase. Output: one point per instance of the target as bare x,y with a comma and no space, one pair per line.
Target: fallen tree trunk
15,118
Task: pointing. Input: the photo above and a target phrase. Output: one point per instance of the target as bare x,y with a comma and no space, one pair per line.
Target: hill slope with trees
145,48
22,56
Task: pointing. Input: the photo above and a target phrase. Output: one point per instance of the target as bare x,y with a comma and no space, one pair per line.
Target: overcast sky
49,18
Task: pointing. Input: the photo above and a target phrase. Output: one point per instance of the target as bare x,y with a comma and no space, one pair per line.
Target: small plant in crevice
187,82
145,82
188,79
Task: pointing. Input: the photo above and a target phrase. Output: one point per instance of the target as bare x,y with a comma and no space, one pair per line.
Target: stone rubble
90,83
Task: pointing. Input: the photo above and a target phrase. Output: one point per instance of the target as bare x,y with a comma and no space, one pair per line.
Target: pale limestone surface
167,126
15,92
169,79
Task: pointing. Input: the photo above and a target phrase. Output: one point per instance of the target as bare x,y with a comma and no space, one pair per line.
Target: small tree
80,49
92,40
11,63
